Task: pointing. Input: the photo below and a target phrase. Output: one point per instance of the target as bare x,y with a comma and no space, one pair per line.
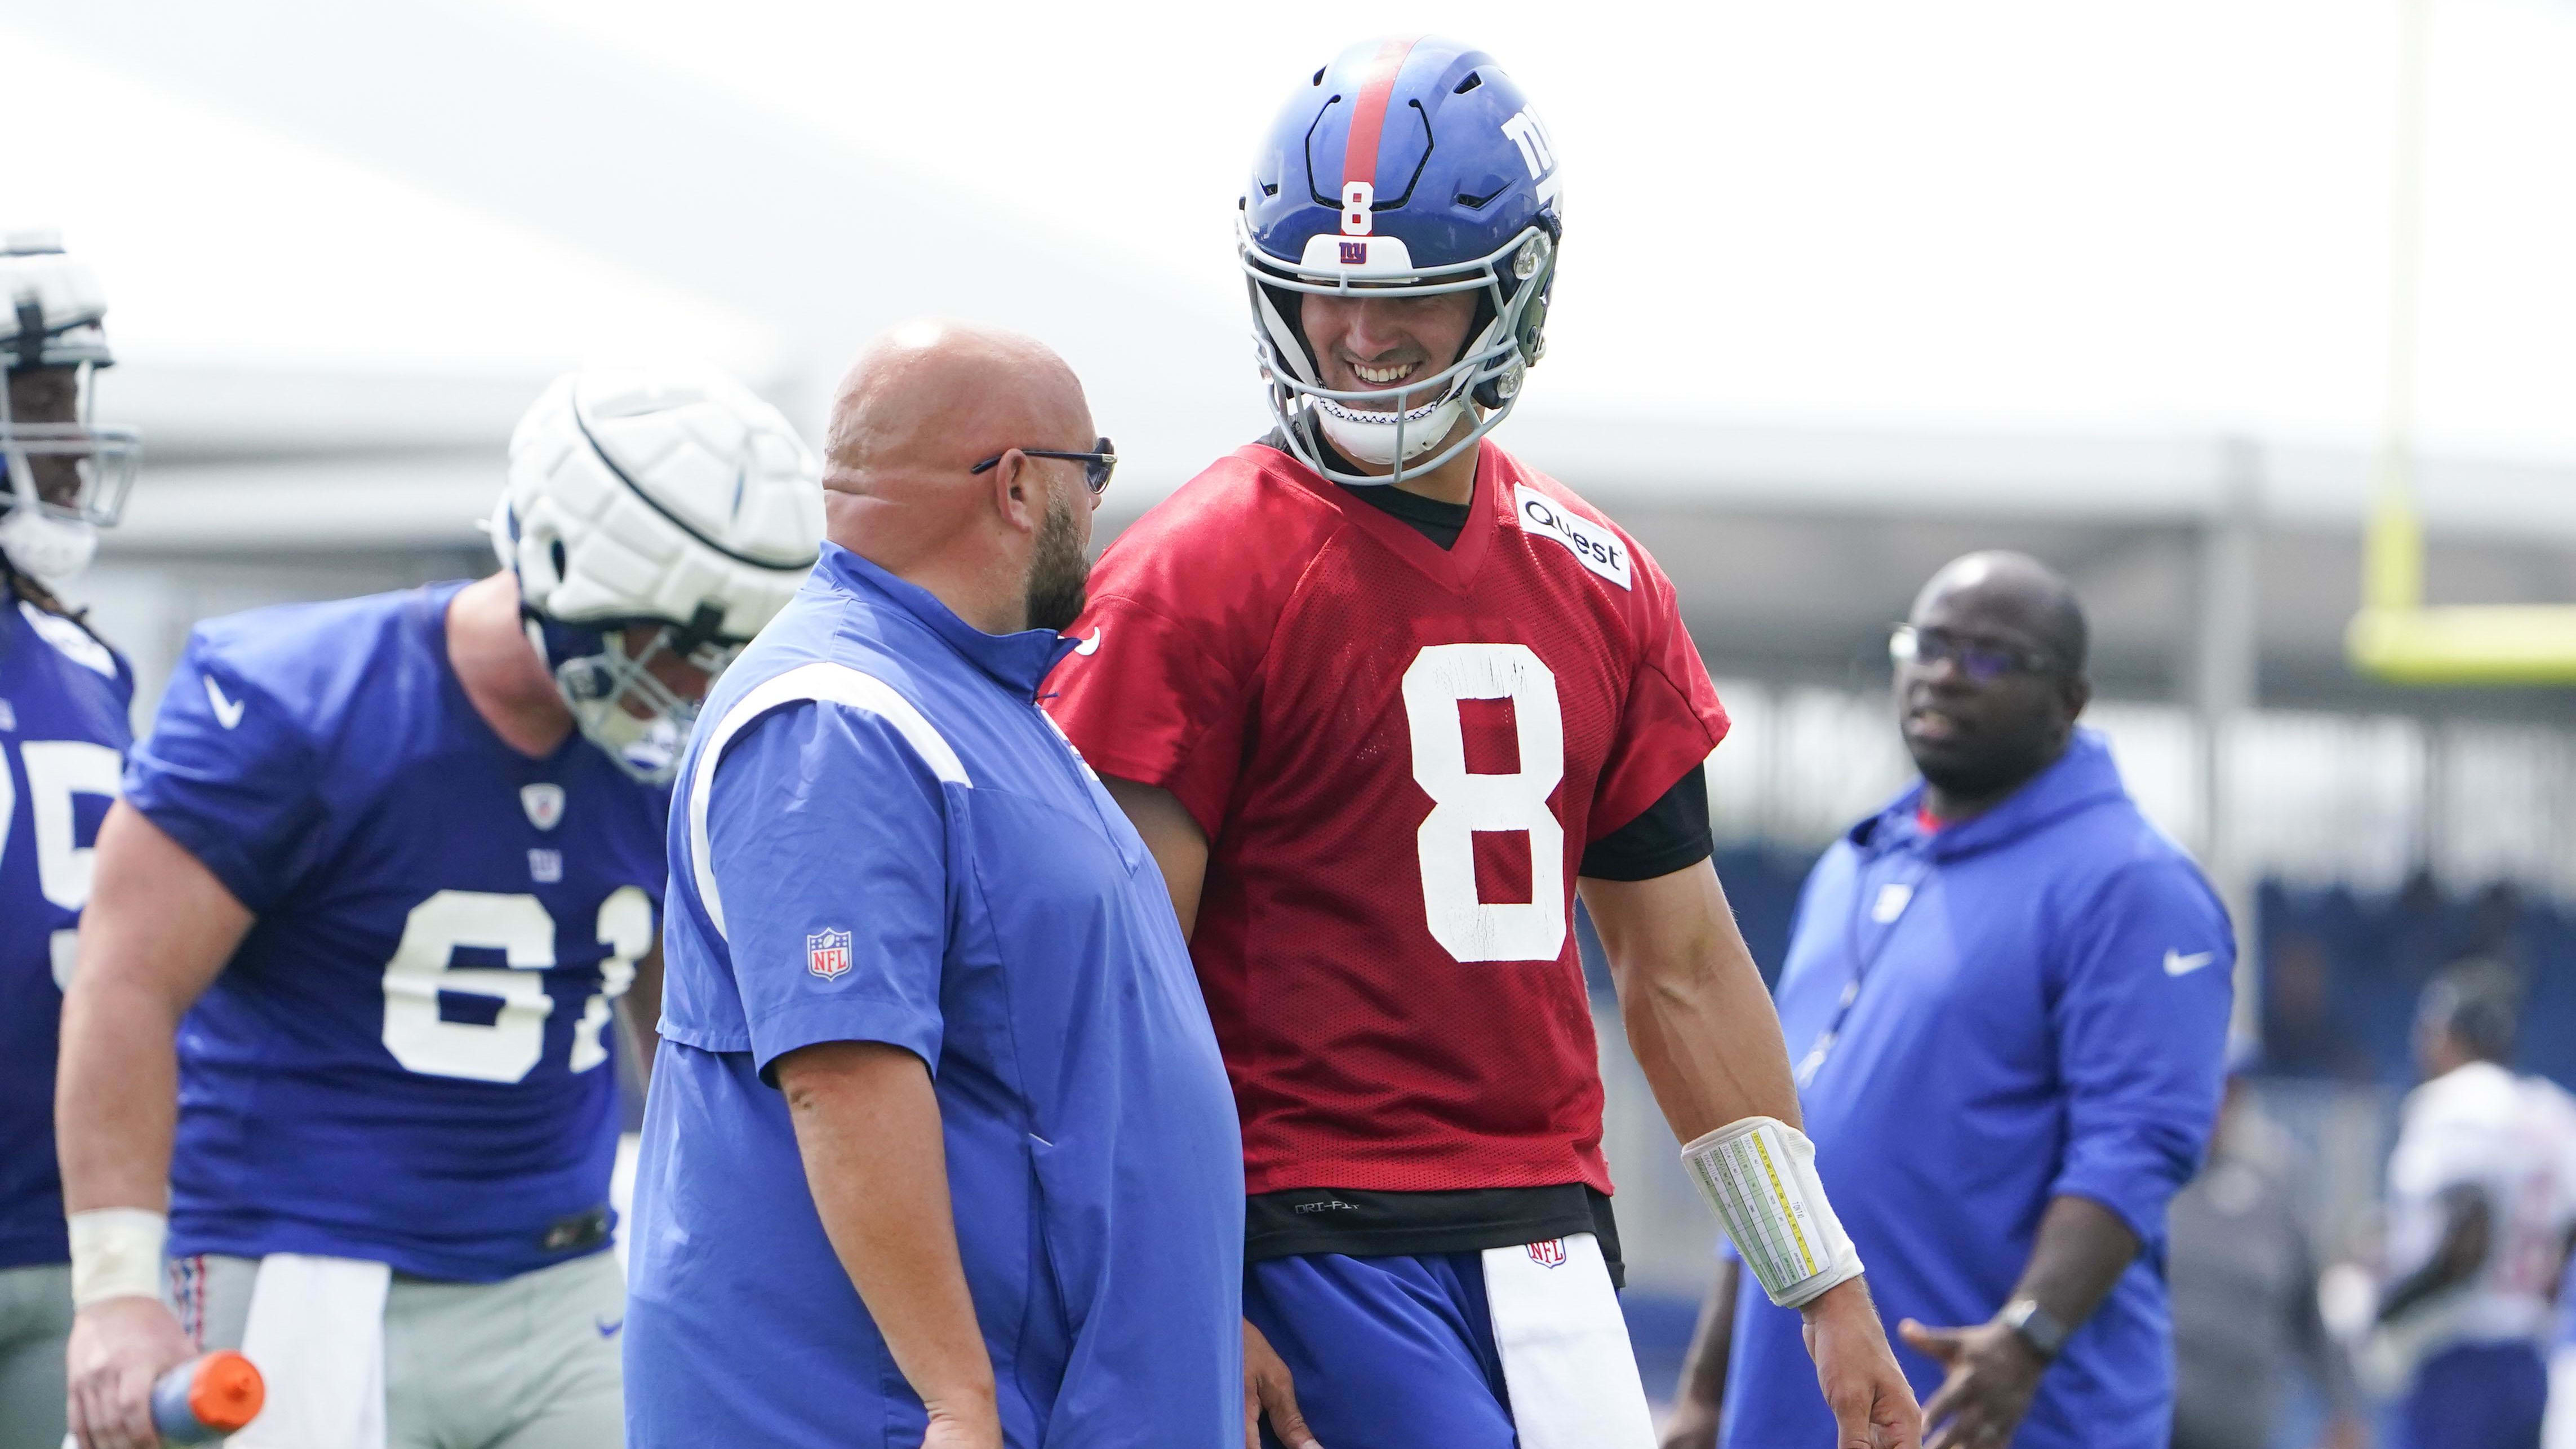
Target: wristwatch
2034,1326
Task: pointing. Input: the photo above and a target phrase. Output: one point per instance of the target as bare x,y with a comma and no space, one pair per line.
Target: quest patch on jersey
1594,546
827,954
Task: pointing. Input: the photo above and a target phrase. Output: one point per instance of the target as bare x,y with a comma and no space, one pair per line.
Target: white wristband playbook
1760,1175
116,1253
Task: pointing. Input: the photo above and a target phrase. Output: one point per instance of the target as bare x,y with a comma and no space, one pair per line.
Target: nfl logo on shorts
1550,1254
827,954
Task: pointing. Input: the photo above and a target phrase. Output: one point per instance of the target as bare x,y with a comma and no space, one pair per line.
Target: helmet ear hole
555,556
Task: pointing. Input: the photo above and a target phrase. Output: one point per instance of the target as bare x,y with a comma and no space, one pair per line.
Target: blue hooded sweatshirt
2023,1005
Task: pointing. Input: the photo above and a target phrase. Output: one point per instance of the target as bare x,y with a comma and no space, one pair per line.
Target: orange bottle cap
227,1393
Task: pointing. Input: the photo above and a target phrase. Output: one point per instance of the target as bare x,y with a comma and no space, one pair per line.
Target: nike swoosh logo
228,712
1092,644
608,1329
2178,964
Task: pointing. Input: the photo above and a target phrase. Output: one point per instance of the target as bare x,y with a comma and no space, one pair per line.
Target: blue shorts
2476,1396
1388,1353
1509,1348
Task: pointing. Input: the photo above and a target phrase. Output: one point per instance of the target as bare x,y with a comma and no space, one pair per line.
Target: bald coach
939,1149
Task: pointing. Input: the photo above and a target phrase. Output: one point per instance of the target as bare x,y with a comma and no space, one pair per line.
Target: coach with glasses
2007,997
939,1148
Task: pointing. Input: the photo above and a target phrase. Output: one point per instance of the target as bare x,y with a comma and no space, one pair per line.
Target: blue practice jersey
63,733
2024,1005
882,839
408,1059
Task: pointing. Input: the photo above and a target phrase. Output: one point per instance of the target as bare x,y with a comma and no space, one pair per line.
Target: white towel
317,1333
1566,1360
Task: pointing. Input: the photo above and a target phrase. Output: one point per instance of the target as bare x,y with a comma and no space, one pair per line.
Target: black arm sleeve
1671,833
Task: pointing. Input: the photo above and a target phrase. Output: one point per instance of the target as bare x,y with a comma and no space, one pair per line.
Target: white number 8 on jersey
1462,803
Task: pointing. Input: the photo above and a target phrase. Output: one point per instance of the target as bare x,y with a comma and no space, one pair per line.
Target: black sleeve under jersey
1671,833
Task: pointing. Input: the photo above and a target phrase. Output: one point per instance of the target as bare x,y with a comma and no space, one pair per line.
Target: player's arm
1701,1025
1699,1400
1698,1016
158,929
2468,1232
1180,847
867,1125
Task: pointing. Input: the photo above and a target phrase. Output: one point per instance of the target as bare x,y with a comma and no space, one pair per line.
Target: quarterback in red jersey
1383,700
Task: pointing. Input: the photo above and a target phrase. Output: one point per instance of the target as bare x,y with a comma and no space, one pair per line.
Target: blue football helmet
1411,164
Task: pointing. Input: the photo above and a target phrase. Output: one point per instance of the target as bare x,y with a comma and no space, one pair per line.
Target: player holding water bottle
381,874
203,1400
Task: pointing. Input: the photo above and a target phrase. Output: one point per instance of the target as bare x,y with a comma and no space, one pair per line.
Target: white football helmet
652,498
62,478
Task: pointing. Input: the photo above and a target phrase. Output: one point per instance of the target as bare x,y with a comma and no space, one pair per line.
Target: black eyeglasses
1982,660
1097,464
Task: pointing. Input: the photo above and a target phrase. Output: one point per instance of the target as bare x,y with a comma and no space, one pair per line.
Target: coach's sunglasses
1982,660
1097,464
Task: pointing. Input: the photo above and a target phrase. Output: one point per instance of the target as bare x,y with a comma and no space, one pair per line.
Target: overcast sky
2167,216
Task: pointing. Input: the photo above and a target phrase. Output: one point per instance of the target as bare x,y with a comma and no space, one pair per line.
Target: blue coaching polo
877,836
2026,1004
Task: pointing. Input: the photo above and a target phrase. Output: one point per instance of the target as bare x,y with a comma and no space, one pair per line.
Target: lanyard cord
1861,962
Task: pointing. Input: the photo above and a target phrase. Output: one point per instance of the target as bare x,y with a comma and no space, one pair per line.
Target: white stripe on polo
823,683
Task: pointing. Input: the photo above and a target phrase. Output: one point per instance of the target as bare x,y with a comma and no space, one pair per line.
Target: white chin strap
1371,437
52,550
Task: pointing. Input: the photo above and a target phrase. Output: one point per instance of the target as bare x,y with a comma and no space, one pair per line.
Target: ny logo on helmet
1528,134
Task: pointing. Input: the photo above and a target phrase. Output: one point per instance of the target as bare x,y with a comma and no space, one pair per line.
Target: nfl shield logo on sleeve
827,954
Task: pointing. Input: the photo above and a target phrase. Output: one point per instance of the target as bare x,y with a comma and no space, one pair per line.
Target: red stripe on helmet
1368,114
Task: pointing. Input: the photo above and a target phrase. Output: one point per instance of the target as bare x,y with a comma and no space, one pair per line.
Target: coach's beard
1058,571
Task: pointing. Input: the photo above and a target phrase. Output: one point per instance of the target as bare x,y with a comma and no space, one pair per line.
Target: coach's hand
1269,1391
1992,1375
118,1347
1873,1404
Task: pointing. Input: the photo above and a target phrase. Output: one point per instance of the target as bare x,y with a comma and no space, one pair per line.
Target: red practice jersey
1399,754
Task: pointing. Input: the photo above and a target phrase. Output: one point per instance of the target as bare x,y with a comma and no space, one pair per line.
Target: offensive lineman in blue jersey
63,733
395,859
